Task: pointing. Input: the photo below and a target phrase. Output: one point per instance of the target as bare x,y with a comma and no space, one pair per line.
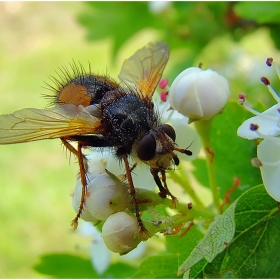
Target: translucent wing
36,124
144,69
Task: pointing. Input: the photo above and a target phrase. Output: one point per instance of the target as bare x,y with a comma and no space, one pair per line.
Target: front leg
163,189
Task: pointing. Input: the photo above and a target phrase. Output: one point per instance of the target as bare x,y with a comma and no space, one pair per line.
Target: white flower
269,156
99,254
157,7
265,125
199,94
267,122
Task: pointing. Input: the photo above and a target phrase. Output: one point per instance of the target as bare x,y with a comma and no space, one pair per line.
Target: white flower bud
199,94
104,197
120,232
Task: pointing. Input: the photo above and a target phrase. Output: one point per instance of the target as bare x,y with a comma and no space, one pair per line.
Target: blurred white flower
265,125
157,7
199,94
99,254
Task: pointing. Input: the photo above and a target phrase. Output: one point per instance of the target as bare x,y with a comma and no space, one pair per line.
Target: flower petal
269,155
186,137
267,122
100,256
142,177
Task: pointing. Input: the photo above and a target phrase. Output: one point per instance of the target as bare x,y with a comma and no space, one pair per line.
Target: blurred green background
36,179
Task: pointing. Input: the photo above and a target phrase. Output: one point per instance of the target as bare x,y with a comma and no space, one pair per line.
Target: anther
163,83
254,127
265,81
269,61
241,98
163,95
256,162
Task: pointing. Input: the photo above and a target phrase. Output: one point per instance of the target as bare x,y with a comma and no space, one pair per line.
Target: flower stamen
163,83
242,101
266,82
270,62
163,96
256,162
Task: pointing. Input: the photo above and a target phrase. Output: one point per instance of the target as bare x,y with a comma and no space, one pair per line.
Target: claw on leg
163,189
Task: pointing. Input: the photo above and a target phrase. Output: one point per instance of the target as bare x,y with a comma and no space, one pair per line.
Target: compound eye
169,130
147,147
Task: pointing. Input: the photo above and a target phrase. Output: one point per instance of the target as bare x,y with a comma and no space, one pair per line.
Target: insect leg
163,175
132,194
80,156
163,189
74,151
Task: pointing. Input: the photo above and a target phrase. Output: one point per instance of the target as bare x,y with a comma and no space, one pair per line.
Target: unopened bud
103,198
120,232
199,94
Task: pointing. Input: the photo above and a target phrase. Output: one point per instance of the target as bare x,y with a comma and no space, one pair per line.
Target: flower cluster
265,125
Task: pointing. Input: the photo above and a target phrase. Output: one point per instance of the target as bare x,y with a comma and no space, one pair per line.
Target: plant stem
203,128
185,184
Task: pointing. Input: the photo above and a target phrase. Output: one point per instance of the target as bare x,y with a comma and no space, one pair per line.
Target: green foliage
166,264
184,25
253,252
103,17
217,238
230,151
69,266
65,266
261,12
233,154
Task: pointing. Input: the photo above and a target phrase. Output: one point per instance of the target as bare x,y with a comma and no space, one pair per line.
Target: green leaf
65,266
177,249
254,251
261,12
116,20
119,270
158,267
217,238
68,266
233,154
182,246
196,271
